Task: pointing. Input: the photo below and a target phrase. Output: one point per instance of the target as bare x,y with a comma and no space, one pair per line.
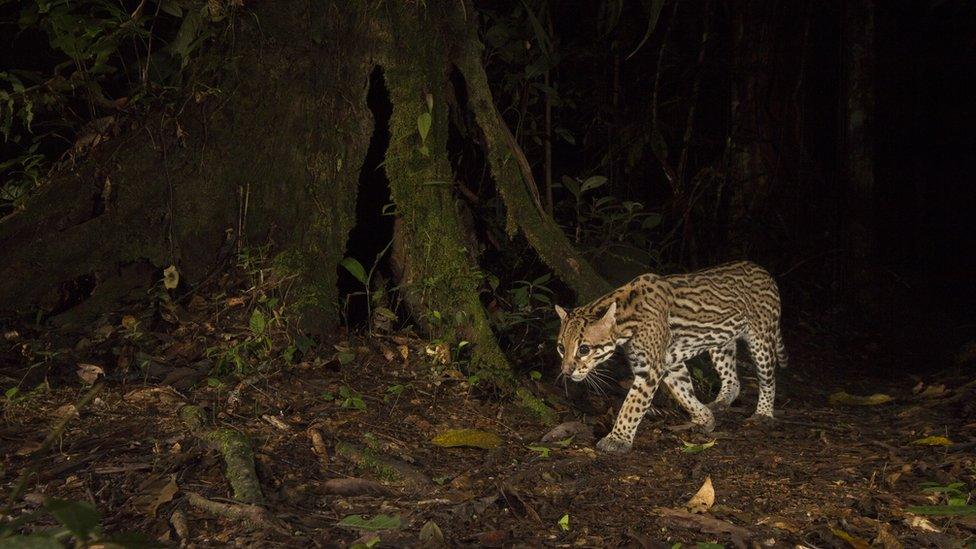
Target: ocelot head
585,343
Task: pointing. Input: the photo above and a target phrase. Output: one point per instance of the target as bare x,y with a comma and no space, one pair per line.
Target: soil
823,475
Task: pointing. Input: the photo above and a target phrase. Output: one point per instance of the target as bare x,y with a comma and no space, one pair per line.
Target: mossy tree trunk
272,147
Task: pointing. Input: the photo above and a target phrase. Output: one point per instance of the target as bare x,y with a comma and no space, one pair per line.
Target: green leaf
345,357
257,322
543,451
171,7
564,523
355,268
572,185
379,522
944,510
535,374
79,517
11,393
653,10
424,122
592,182
564,443
182,46
652,220
696,448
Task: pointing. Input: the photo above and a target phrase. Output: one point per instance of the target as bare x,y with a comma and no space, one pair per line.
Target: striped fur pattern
660,322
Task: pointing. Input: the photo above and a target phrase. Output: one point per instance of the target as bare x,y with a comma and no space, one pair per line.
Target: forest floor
826,474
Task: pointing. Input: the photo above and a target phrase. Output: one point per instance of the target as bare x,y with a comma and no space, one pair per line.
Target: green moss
440,274
366,460
234,447
536,406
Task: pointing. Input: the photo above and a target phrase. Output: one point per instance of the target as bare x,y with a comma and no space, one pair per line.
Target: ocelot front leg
638,400
723,359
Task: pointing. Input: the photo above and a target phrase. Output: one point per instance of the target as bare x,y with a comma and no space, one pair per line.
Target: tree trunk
750,156
857,150
271,147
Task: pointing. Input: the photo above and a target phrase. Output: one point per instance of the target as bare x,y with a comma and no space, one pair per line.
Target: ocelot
659,322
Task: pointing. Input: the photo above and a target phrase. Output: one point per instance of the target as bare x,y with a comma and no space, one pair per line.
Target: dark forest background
664,136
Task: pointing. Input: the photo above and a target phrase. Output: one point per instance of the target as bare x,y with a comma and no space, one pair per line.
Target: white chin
577,376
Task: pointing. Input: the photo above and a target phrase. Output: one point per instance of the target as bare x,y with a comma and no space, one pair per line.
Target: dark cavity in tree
374,227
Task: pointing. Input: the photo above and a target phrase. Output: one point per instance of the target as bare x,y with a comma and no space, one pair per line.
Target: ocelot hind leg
723,359
678,382
763,350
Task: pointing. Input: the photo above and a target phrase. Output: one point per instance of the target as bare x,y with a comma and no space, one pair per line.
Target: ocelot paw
761,420
706,428
719,405
611,444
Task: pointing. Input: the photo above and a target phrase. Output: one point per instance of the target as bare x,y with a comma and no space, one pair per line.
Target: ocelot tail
659,322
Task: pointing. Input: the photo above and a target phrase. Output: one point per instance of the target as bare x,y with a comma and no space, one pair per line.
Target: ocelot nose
567,368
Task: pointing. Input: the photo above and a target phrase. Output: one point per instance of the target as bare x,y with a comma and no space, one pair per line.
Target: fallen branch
236,450
704,524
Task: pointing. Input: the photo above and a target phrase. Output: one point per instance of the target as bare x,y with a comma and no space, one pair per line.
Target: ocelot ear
561,312
610,317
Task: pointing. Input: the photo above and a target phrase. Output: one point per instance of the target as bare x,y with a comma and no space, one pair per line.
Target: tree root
383,467
546,415
236,450
515,180
252,514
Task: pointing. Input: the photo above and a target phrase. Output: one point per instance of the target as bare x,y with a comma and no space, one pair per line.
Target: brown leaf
702,501
318,445
157,493
569,429
354,487
493,538
89,373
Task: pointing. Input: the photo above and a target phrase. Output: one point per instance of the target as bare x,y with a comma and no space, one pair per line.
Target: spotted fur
660,322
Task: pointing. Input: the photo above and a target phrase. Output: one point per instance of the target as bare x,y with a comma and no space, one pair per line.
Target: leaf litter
858,462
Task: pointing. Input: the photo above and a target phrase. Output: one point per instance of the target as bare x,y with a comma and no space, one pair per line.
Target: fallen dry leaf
318,445
853,541
354,487
569,429
921,523
472,438
703,500
165,495
66,410
887,540
933,391
171,277
89,373
932,441
843,398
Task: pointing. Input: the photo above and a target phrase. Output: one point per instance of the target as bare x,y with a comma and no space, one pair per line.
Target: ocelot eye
583,350
560,349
